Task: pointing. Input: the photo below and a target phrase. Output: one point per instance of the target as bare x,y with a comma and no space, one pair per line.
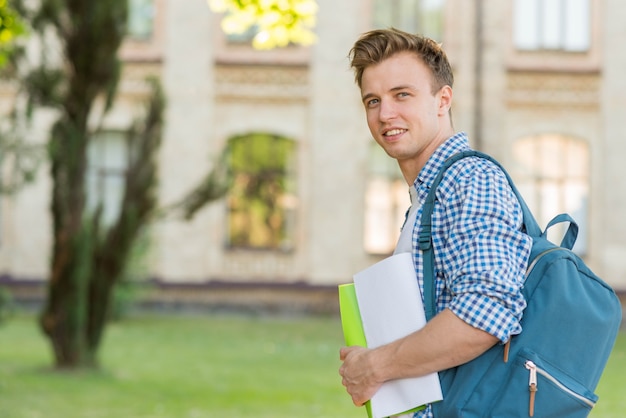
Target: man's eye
371,102
403,94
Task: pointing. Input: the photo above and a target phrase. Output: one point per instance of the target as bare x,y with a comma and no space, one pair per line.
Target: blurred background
311,199
174,157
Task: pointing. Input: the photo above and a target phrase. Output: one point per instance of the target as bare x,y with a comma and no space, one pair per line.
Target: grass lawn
197,367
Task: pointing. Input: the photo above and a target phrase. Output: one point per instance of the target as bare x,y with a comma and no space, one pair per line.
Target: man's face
403,115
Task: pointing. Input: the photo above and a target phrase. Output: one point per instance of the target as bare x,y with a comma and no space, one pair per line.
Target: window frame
101,175
133,8
287,201
420,22
548,24
588,60
151,49
228,52
549,187
384,176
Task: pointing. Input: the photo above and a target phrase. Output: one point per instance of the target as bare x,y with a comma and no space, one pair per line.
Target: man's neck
410,168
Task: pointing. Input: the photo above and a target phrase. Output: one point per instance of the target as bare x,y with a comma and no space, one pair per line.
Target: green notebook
352,325
351,322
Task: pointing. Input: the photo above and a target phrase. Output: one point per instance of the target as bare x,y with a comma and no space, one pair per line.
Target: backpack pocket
537,388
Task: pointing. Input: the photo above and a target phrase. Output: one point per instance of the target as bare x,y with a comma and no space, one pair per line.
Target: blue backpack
569,327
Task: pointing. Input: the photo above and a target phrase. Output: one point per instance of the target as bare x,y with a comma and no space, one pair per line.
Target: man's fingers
343,353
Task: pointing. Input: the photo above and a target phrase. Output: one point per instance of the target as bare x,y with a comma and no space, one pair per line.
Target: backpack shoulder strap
425,237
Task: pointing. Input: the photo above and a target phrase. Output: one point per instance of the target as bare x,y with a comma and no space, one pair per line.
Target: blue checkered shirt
480,253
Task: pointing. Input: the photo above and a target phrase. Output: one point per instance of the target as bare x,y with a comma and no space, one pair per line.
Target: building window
107,161
140,19
552,25
552,174
386,201
262,201
415,16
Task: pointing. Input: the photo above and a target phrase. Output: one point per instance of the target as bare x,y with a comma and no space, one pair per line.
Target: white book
391,307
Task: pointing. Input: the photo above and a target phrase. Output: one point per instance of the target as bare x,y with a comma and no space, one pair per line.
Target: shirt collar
453,145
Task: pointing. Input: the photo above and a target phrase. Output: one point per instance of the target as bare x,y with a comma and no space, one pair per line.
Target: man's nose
387,110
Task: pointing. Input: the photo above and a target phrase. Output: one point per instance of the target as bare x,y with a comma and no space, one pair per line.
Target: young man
480,252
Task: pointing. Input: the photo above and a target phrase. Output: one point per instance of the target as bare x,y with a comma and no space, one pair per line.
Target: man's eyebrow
367,96
393,89
403,87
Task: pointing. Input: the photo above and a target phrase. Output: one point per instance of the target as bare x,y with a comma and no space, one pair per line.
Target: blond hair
375,46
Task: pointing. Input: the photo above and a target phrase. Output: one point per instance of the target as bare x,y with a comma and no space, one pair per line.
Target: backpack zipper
532,386
531,266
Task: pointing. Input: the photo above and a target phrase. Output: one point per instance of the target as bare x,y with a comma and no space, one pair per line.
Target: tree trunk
87,262
90,33
65,311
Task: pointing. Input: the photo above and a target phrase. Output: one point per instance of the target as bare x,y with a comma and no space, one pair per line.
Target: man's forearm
446,341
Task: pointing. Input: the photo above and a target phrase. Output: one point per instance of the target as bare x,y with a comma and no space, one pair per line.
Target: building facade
313,199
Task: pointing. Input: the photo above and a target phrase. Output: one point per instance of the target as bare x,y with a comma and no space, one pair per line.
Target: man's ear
445,99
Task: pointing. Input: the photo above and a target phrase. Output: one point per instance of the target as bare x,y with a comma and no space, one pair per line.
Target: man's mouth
394,132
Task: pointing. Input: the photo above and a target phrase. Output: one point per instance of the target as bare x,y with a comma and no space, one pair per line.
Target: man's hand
445,341
357,374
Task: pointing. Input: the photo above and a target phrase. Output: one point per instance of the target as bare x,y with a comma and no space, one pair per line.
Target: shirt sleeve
483,252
